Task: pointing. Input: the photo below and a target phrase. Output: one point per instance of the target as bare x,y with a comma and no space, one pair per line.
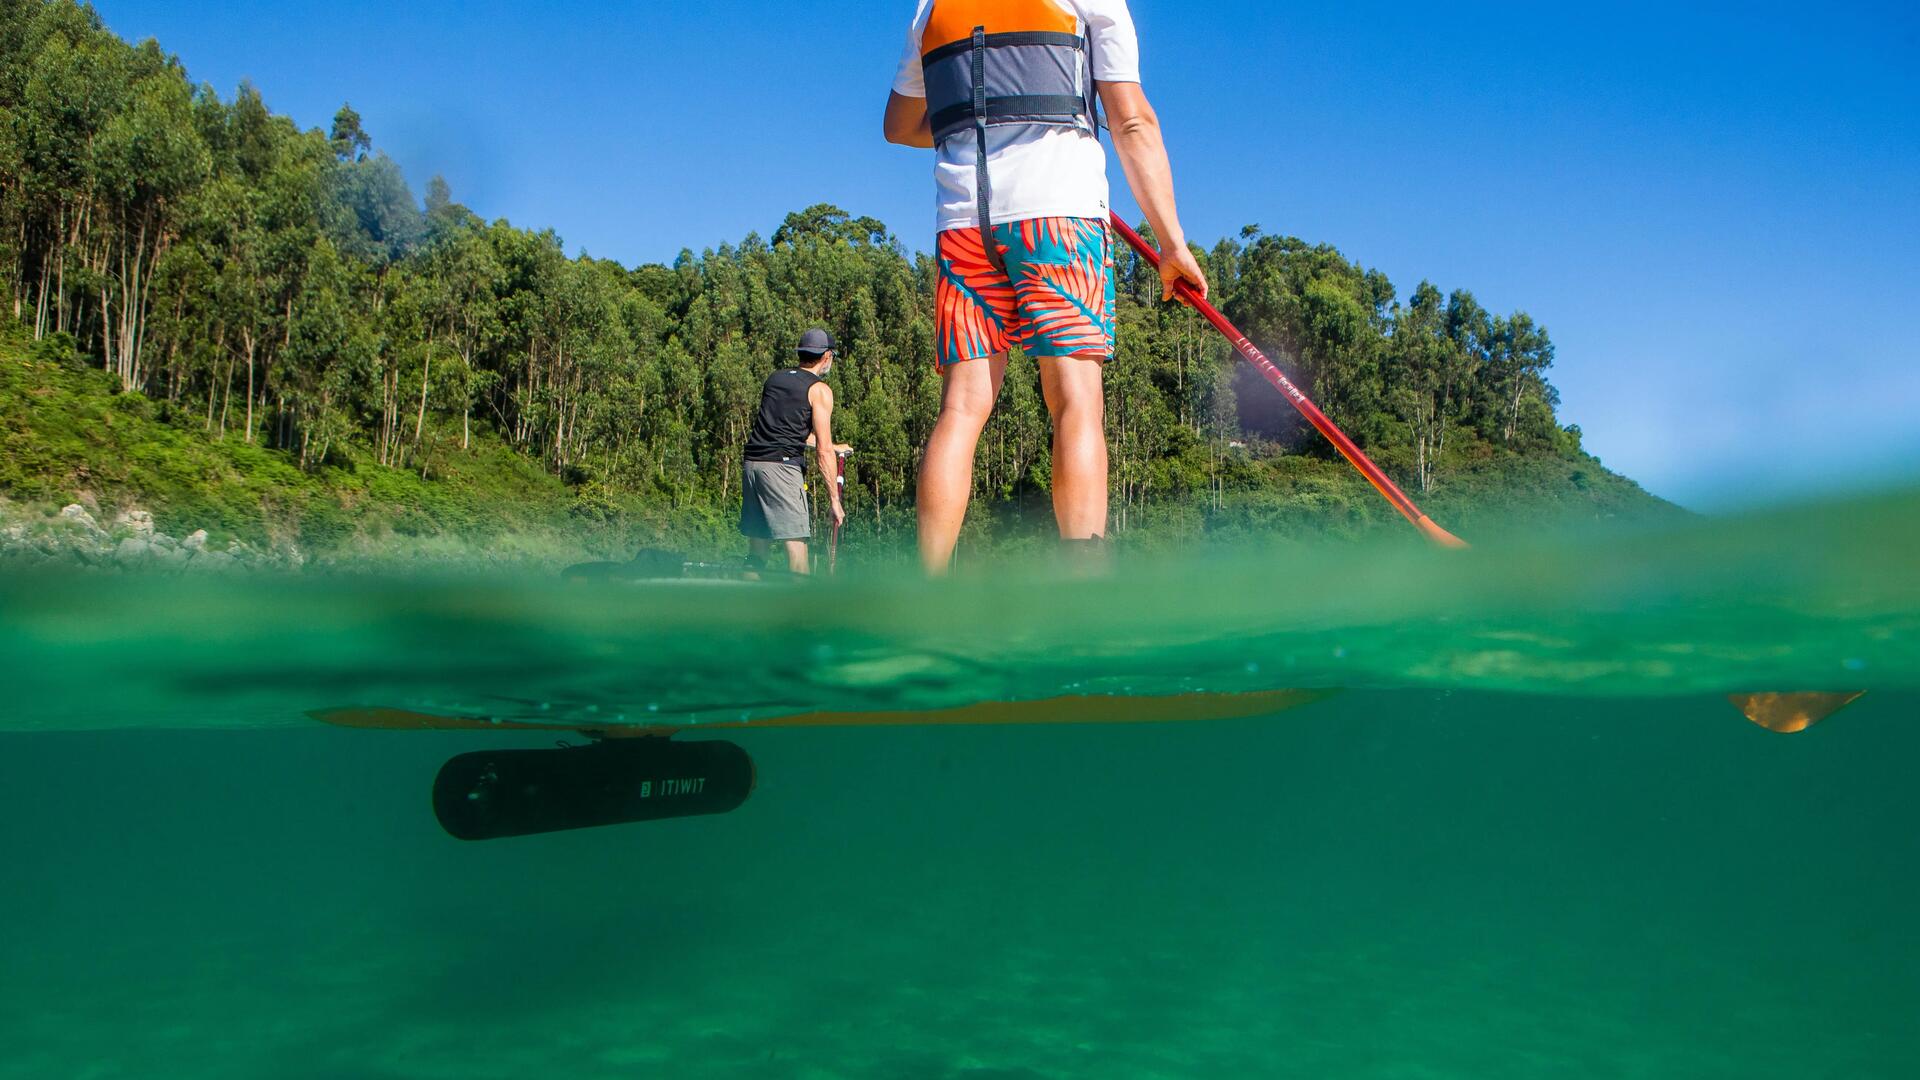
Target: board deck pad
493,794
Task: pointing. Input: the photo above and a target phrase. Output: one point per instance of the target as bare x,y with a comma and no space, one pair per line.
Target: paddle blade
1790,713
1437,534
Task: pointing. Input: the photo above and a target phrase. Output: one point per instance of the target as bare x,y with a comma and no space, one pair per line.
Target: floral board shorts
1054,299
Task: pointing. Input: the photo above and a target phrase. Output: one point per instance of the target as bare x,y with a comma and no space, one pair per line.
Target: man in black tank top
796,411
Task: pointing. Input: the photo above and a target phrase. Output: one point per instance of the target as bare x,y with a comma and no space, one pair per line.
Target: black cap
815,342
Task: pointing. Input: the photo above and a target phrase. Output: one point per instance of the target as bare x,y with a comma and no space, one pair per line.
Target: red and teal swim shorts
1055,297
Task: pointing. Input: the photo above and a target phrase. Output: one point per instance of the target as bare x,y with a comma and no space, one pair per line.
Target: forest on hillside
285,288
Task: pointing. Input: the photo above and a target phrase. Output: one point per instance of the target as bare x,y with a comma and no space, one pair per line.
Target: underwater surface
1525,834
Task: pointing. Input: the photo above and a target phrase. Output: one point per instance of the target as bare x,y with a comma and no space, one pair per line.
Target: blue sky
1714,208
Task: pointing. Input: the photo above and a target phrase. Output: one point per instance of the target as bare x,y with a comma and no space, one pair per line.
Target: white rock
139,521
197,541
132,549
79,516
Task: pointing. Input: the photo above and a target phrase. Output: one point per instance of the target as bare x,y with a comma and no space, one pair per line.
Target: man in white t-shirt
1006,92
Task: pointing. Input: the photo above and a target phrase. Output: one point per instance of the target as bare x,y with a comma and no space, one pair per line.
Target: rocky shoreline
75,539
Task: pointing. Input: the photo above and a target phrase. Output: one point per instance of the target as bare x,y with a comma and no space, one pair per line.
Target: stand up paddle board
632,773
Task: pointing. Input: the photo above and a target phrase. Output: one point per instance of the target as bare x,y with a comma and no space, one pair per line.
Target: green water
1527,838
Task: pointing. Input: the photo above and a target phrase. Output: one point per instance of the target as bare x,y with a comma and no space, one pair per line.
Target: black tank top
786,417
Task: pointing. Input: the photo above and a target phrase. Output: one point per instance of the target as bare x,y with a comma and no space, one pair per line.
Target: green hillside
67,435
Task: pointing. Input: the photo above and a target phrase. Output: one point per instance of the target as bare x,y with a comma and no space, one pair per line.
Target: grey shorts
774,502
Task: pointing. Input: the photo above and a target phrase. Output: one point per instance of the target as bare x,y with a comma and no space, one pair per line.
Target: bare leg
757,551
797,556
1078,406
946,470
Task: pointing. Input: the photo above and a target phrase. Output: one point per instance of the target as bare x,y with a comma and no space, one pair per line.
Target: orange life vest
990,63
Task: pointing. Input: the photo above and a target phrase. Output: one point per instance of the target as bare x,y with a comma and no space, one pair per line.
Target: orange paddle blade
1437,534
1789,713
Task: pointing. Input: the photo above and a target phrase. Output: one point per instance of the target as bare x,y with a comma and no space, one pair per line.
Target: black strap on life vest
983,183
1020,108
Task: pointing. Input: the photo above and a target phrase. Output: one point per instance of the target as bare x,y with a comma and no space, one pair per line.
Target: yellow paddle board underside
1094,709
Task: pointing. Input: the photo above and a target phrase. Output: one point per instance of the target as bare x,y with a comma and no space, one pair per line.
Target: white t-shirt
1038,171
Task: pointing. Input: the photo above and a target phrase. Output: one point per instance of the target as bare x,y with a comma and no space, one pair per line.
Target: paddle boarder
796,413
1007,93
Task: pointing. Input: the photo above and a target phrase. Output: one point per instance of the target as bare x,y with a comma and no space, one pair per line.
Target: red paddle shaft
840,485
1272,373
